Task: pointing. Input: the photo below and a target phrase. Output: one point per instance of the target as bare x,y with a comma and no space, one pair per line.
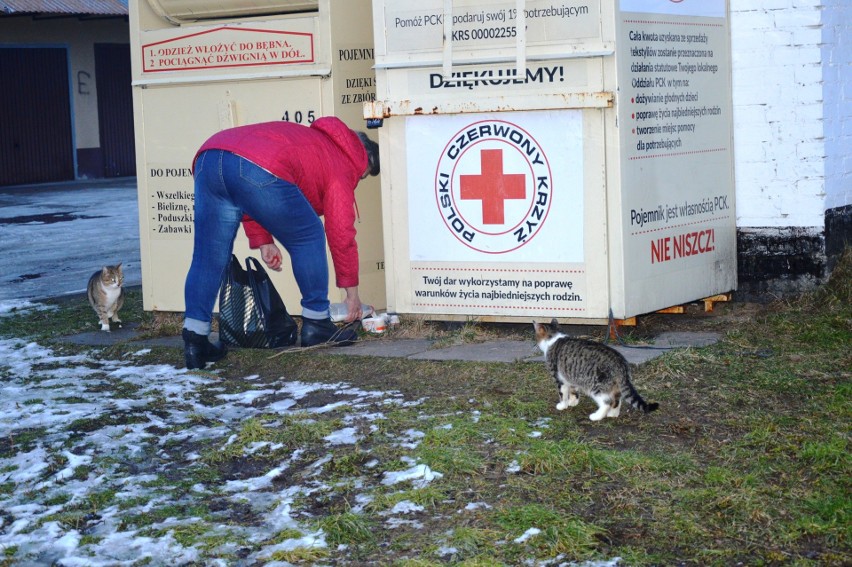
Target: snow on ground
52,398
19,306
97,456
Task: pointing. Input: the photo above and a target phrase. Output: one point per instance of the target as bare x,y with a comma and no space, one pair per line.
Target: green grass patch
347,529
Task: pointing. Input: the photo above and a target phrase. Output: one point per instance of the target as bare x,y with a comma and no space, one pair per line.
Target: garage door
36,143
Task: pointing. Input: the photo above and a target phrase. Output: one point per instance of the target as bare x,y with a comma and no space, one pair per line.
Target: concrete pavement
500,350
53,237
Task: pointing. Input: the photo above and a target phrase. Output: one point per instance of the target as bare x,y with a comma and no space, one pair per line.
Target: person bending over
278,178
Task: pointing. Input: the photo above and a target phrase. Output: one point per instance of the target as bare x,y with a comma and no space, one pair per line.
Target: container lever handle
448,39
521,39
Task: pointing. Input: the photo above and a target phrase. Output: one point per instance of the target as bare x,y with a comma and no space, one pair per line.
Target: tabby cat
594,369
106,296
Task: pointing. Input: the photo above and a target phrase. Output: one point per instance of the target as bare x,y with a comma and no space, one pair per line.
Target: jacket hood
344,138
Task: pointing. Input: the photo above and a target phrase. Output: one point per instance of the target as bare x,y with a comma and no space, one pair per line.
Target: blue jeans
226,186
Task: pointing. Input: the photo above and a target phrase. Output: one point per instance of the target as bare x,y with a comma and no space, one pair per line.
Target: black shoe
321,331
198,350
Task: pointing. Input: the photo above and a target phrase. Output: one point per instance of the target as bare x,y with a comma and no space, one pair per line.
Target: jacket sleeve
340,233
257,235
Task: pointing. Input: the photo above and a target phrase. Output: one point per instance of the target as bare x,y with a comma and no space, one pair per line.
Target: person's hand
353,304
271,256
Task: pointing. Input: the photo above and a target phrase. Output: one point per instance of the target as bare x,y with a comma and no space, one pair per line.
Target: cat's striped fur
590,368
106,294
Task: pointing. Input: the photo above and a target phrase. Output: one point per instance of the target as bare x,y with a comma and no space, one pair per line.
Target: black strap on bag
251,313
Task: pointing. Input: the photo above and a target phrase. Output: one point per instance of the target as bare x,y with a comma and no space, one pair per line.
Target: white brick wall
837,76
781,119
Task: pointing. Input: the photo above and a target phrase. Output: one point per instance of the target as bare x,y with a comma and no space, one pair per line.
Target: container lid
193,10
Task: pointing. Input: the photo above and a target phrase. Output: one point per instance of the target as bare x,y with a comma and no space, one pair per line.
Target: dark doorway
36,143
115,108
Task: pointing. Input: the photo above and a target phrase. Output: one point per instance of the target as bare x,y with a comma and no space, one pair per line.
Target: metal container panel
196,79
570,79
179,11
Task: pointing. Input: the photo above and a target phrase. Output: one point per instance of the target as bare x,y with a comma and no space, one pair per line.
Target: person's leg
216,219
282,209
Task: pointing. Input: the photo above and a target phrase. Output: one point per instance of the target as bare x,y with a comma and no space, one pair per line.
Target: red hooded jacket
325,161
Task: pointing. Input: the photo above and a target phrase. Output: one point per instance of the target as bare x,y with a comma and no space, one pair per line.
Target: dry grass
161,324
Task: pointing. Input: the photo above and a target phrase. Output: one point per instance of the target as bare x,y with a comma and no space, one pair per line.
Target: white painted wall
837,89
791,90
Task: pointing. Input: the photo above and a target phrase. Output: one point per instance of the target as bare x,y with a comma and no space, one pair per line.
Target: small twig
299,350
329,343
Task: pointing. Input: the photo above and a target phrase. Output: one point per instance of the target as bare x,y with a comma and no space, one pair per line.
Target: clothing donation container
541,158
200,67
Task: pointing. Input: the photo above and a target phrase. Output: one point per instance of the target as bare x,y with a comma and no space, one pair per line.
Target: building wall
791,63
79,38
837,89
778,131
837,76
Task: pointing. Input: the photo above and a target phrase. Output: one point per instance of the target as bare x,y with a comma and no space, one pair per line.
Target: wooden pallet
709,304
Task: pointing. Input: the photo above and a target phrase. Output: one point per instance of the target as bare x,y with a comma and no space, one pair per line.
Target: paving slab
640,354
405,348
633,354
127,333
696,339
492,351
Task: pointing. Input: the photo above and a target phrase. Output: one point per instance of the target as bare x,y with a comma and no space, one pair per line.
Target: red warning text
683,245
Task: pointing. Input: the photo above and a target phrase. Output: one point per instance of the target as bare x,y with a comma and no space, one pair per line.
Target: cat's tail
632,397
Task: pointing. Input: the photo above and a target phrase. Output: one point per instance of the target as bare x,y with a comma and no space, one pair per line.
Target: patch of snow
443,551
405,507
532,532
255,484
411,438
18,306
399,523
419,475
345,436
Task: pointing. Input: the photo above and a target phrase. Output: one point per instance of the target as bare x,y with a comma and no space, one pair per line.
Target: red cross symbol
493,186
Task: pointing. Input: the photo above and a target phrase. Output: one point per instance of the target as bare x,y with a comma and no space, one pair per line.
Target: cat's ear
118,266
554,323
105,270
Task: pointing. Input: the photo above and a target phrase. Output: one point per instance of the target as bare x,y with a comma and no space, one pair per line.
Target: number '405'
299,117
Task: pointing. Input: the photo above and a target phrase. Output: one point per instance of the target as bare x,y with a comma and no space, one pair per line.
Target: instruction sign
676,104
170,201
234,46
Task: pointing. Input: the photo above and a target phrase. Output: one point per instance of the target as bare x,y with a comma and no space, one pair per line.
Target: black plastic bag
251,313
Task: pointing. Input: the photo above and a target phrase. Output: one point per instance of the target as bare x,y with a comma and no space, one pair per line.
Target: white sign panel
705,8
676,148
496,188
477,24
